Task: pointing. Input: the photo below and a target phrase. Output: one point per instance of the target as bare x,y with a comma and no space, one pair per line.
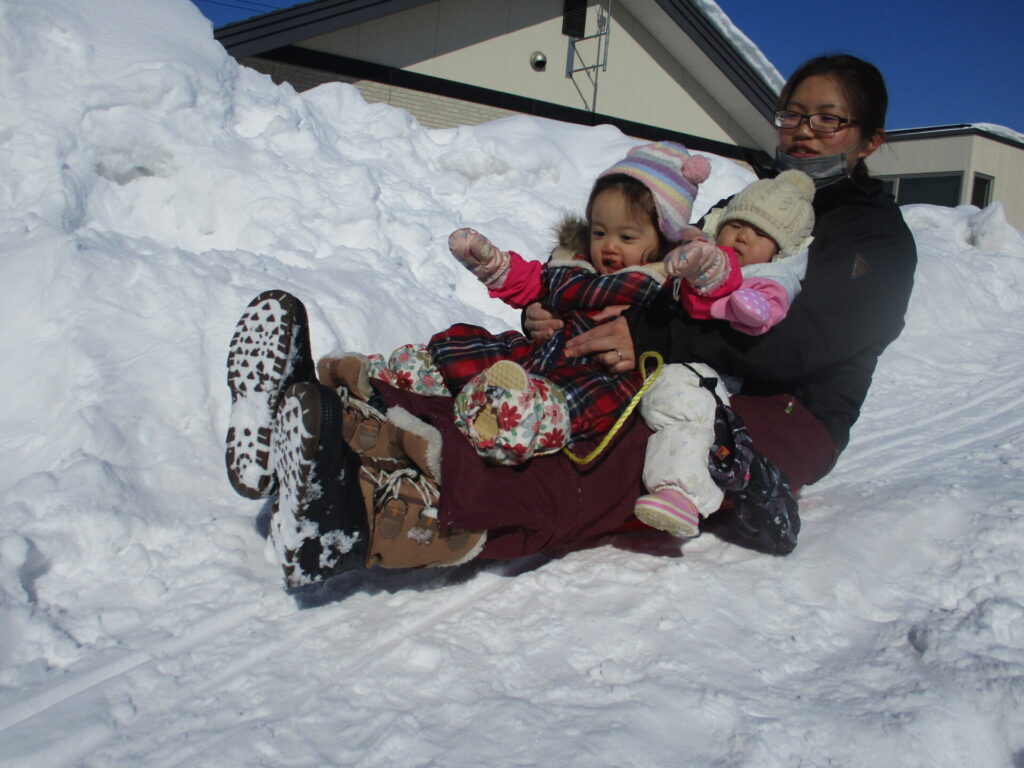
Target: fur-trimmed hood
572,238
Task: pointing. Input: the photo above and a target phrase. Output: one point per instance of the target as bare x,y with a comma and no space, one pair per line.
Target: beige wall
1005,164
949,154
969,154
430,111
489,44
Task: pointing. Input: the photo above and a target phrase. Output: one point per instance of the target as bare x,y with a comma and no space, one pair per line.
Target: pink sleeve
753,308
698,305
522,285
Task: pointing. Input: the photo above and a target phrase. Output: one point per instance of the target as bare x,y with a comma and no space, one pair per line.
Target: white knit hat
780,207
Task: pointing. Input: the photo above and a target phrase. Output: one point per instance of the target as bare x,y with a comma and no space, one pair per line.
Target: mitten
479,255
700,263
750,307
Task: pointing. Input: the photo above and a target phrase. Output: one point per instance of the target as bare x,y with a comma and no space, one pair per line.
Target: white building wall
946,154
1005,164
489,44
967,154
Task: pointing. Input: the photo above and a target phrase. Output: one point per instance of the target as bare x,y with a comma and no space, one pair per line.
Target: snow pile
149,188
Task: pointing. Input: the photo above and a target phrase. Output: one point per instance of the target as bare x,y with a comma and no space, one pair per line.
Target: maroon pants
552,502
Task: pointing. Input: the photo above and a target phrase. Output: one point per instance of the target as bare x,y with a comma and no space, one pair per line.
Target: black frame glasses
819,122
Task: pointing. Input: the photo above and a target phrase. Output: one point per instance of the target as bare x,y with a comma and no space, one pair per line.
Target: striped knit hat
672,175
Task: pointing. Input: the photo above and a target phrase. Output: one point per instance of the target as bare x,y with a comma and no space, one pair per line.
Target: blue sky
945,61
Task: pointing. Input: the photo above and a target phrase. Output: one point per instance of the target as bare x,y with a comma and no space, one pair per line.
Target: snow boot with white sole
319,527
269,352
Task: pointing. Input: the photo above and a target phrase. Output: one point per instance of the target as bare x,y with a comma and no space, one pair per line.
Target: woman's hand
609,343
539,323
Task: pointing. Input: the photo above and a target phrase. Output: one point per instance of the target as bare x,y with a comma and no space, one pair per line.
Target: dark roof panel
691,19
301,22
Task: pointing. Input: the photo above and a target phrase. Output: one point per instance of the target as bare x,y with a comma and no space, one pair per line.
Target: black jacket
860,272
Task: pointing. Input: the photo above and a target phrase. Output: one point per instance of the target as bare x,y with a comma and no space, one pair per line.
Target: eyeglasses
819,122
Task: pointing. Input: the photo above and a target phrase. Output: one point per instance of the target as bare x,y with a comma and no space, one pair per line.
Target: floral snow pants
507,414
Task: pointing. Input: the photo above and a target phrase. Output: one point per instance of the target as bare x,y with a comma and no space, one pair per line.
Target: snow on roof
1000,130
996,132
743,44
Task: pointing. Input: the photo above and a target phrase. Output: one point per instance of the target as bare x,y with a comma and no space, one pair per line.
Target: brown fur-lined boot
404,532
367,426
348,369
400,474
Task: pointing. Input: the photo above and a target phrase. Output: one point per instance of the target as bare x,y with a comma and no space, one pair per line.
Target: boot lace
388,485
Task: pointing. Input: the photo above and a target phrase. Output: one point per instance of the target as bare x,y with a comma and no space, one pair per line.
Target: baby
748,277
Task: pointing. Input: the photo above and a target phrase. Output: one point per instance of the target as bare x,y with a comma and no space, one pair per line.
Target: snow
149,188
1001,130
742,44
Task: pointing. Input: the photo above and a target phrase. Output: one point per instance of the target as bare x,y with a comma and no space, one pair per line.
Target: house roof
691,23
988,130
691,18
301,22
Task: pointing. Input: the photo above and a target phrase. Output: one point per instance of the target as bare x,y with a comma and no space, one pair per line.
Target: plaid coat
574,290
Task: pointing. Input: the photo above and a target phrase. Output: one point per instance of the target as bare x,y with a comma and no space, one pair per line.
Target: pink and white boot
668,510
510,415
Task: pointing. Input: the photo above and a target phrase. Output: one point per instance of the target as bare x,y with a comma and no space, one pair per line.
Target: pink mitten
479,255
749,307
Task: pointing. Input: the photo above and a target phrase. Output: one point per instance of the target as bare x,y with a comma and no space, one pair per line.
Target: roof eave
722,69
943,131
689,17
301,22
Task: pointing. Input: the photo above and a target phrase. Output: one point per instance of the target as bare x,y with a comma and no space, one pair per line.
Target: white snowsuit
682,412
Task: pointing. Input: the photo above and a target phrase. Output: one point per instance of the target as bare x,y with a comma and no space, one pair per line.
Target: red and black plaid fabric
595,396
571,289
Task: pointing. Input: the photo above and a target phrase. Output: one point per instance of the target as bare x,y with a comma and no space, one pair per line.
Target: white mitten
479,255
700,263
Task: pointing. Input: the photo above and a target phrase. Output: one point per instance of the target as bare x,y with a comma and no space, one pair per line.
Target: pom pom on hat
780,207
696,169
672,174
803,183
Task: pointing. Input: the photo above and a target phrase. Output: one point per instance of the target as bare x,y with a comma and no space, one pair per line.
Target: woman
803,382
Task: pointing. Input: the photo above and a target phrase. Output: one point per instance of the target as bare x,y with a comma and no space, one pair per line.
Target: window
936,189
981,193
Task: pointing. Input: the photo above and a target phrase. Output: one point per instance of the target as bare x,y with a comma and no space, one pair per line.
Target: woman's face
818,93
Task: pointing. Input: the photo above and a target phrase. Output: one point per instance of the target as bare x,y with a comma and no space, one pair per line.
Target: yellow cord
649,379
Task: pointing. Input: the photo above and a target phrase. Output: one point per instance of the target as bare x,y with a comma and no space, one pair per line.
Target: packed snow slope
149,187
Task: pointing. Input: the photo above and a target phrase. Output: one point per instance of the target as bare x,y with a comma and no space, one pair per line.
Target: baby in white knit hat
752,272
747,277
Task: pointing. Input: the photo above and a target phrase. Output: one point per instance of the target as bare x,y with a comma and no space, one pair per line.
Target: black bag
732,450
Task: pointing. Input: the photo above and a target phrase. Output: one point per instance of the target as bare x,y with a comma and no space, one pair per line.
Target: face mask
823,169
